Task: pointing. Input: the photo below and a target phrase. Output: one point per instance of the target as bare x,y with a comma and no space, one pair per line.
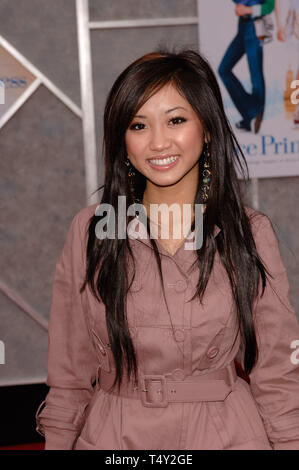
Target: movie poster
256,60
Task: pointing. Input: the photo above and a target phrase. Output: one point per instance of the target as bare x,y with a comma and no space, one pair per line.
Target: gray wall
42,163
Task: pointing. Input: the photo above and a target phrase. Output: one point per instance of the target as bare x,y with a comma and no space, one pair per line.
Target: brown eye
133,126
177,119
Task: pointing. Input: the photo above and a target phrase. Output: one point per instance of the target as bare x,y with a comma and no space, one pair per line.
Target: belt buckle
150,404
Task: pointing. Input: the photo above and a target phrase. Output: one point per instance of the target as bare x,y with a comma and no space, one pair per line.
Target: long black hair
107,259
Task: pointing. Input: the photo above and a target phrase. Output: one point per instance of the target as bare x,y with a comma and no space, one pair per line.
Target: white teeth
163,161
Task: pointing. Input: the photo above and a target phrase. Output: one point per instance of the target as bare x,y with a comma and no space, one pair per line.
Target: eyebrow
166,112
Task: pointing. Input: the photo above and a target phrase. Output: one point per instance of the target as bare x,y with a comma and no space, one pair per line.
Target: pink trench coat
193,398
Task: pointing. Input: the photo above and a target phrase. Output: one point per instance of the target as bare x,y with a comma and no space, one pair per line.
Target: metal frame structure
41,79
87,99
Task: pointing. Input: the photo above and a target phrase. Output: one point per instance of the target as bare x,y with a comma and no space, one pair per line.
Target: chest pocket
102,352
213,352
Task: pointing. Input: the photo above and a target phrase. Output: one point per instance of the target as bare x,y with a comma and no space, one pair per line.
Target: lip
163,167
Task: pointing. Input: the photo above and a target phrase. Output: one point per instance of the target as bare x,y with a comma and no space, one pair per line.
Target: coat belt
158,390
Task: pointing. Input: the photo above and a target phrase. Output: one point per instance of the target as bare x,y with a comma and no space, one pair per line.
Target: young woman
144,330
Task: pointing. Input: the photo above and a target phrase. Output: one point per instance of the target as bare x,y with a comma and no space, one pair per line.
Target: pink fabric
261,415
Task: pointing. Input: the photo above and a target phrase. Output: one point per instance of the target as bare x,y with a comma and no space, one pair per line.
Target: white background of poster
274,151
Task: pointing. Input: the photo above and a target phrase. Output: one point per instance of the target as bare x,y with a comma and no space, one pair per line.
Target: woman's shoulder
256,219
81,219
86,212
265,234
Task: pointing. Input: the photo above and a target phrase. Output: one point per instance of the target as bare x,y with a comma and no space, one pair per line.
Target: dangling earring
131,175
131,172
206,174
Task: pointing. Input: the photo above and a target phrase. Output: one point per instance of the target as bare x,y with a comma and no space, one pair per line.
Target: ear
207,137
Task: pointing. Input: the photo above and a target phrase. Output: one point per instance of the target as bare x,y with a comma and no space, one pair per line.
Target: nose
159,139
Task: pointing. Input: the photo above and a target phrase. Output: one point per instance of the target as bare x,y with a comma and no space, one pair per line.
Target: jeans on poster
245,42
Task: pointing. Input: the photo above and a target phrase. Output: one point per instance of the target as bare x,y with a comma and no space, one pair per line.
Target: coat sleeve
71,361
274,380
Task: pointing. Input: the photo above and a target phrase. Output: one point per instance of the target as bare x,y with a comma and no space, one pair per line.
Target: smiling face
165,139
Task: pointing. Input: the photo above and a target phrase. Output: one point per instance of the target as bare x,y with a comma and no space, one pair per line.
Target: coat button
181,285
178,374
212,352
179,335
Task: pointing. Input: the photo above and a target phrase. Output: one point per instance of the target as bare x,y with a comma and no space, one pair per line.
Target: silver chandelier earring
131,171
206,174
131,174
